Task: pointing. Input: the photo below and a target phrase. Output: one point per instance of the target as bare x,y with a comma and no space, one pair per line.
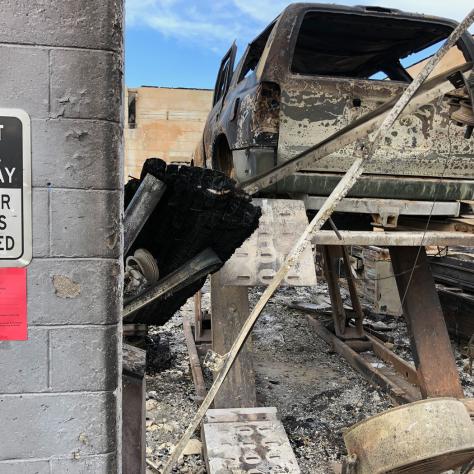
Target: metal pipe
140,208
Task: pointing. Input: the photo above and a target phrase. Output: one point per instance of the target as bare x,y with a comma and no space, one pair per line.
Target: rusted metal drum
428,436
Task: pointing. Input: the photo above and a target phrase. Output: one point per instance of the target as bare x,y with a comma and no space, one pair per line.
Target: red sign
13,323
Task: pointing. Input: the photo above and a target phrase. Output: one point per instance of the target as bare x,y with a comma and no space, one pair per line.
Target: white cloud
215,23
205,22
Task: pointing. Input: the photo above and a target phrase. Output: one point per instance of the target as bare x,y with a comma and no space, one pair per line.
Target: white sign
15,188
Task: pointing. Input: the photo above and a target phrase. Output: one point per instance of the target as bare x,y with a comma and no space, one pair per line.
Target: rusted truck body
316,69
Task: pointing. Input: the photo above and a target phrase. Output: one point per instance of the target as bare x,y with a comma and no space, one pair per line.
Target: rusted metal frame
198,315
340,191
356,306
373,376
401,366
337,305
358,129
404,368
432,352
140,208
202,264
392,239
194,362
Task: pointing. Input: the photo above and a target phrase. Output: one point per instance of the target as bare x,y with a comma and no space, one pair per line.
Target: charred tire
200,208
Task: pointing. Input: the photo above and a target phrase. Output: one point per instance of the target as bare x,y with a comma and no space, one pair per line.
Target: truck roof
366,10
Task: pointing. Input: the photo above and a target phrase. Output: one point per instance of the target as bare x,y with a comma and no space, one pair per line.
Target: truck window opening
363,47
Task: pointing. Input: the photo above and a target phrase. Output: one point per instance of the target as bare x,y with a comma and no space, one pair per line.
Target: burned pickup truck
318,68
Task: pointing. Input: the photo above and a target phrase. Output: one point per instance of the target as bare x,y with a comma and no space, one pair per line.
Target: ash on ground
317,394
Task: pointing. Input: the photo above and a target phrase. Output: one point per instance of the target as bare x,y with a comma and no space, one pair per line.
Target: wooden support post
434,360
229,311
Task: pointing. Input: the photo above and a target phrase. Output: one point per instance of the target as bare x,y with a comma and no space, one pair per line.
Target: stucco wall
168,125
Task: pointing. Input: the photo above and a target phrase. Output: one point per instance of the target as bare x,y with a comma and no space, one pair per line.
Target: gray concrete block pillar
60,391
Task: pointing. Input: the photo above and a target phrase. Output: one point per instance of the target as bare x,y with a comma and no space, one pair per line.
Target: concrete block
104,464
40,223
85,223
24,467
83,23
92,355
57,425
74,292
25,363
25,79
77,154
86,84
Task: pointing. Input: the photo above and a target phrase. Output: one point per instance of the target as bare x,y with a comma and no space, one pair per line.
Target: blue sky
179,43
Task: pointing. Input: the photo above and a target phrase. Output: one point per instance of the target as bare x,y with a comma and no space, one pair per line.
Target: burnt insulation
200,208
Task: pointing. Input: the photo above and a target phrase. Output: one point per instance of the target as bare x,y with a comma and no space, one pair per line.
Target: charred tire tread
201,208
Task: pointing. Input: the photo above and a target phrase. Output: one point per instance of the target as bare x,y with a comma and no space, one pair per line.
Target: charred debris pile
201,208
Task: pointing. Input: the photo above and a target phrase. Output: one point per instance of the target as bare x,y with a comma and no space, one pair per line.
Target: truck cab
317,68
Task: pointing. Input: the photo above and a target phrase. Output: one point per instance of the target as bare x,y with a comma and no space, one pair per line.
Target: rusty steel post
356,306
330,255
140,208
434,360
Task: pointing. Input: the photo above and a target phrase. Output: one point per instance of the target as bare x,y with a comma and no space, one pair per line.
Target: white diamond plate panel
259,258
247,440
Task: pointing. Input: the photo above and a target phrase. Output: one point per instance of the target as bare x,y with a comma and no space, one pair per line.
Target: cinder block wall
61,61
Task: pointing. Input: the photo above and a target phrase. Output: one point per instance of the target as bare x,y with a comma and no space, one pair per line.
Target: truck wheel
222,157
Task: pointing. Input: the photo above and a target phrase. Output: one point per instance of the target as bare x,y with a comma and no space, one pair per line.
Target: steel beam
403,207
395,238
434,360
330,256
